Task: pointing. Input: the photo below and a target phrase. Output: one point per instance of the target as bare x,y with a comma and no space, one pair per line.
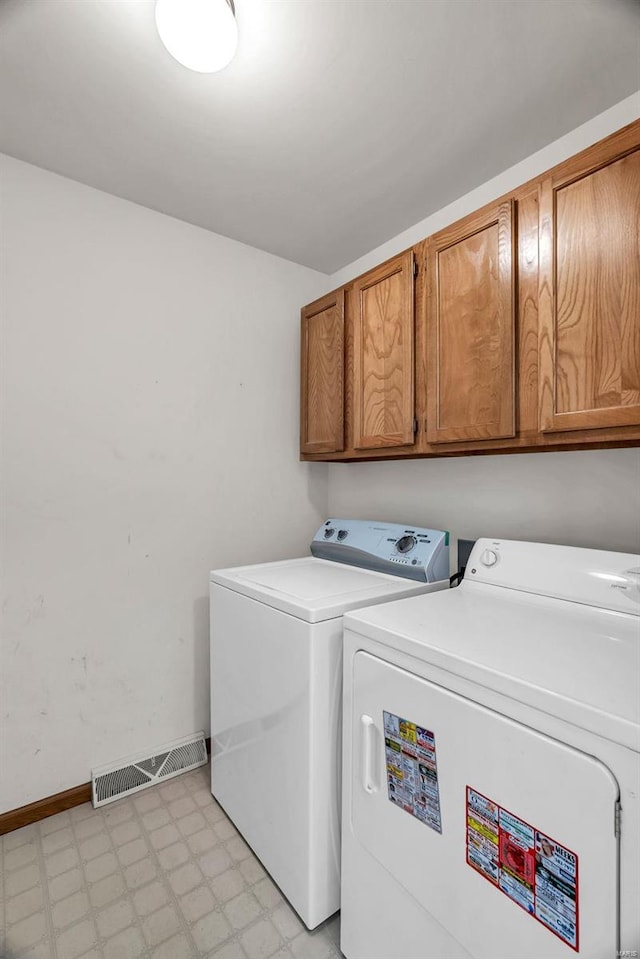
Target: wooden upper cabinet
470,322
523,331
590,290
322,375
383,356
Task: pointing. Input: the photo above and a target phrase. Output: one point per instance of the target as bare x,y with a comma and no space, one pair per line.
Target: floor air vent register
135,773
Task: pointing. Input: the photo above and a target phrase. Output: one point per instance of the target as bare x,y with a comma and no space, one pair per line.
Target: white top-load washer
492,763
276,691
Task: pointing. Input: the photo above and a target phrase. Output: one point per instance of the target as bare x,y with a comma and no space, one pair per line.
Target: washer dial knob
405,544
489,557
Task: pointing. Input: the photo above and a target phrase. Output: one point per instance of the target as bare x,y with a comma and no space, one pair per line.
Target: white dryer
492,763
276,691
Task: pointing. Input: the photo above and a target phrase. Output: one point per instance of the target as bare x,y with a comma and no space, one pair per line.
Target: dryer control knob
489,557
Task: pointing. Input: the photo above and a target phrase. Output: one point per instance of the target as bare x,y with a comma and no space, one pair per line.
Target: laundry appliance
276,691
492,763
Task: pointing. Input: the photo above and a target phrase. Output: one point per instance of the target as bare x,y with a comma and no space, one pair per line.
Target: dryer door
504,836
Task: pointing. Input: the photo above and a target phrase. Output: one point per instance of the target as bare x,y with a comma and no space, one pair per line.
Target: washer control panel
412,552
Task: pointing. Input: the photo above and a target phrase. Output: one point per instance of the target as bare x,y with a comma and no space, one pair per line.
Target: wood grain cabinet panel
322,375
471,328
590,295
383,356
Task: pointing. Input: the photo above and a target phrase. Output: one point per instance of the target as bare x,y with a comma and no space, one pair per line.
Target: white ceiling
339,123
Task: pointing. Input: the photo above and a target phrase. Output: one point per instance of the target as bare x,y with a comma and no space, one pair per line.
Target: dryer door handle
368,758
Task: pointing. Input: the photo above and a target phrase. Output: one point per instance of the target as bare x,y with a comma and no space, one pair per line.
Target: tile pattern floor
161,875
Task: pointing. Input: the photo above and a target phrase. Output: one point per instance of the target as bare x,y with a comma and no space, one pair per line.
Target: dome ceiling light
200,34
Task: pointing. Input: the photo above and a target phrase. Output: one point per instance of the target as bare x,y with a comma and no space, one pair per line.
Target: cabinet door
322,375
471,328
383,359
590,294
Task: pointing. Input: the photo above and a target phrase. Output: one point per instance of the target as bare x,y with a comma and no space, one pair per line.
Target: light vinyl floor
161,875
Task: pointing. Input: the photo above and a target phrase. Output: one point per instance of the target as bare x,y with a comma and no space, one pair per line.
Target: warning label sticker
412,773
525,864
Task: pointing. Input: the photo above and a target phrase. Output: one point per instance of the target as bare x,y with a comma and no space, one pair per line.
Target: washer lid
316,589
571,660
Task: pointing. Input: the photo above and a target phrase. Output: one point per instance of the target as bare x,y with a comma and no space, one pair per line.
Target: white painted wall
587,498
150,433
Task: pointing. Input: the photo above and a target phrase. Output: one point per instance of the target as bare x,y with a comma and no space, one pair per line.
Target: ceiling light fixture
200,34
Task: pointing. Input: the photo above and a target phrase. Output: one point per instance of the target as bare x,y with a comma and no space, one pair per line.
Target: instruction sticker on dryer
535,871
412,773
